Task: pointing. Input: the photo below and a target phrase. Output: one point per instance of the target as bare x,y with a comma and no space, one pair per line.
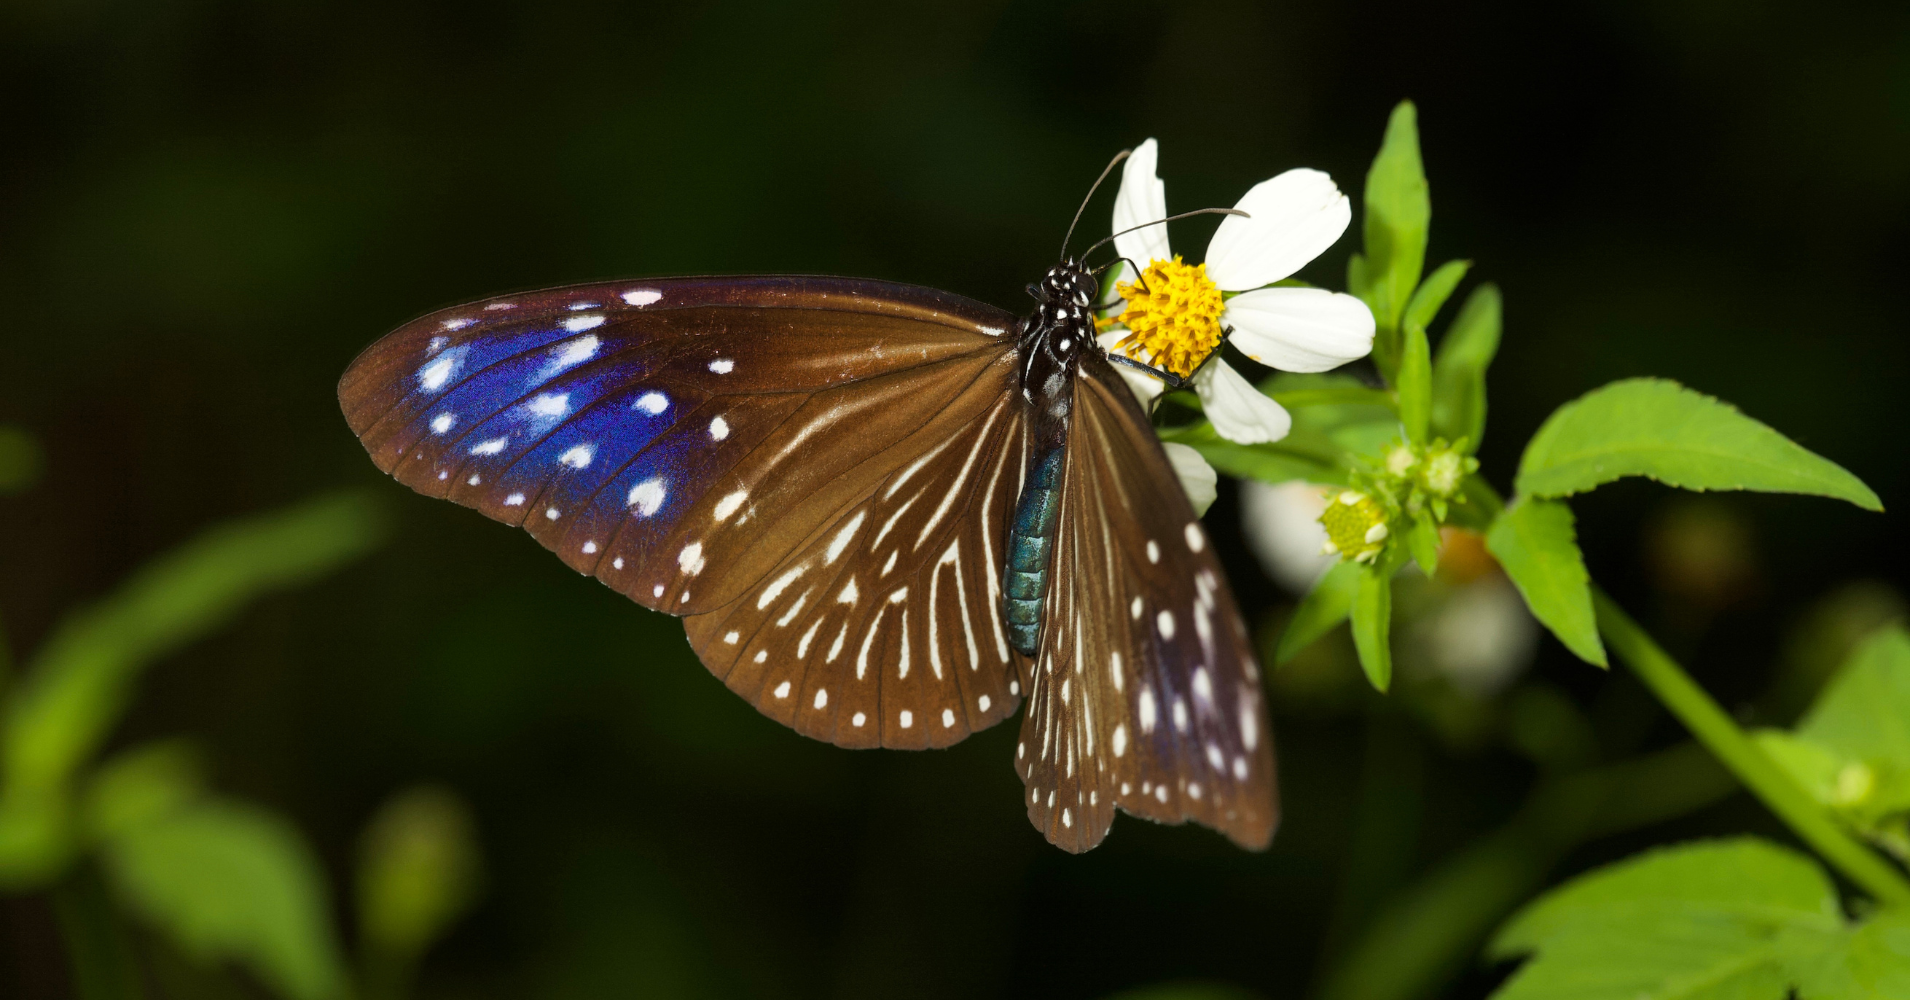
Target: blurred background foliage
207,208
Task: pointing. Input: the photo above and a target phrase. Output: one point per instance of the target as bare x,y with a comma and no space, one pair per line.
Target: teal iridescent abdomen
1031,547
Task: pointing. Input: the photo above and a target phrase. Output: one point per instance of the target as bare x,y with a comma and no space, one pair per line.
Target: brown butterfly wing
691,442
1145,694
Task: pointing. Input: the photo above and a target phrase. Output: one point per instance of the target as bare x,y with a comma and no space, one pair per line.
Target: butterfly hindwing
1144,694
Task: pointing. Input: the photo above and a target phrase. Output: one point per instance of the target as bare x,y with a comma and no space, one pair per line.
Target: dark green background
207,208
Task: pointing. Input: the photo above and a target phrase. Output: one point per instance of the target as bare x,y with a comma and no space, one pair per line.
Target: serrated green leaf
1415,385
1372,615
1737,919
1398,212
1660,429
229,882
1534,540
1459,368
79,681
1433,293
1325,606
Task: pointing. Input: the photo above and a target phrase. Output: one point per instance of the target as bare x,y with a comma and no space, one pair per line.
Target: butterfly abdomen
1031,546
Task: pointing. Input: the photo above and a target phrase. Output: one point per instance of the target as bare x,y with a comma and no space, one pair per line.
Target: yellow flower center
1355,526
1172,316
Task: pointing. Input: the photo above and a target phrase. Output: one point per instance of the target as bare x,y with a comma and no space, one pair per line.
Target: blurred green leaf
1372,615
143,785
80,679
1325,606
1723,920
229,882
1398,213
1459,368
1433,293
1865,712
1422,537
417,871
1658,428
1280,462
20,460
1535,542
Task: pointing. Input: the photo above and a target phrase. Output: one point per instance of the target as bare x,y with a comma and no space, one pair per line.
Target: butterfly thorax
1050,345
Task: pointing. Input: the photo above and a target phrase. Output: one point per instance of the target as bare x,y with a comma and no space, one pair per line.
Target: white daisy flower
1176,315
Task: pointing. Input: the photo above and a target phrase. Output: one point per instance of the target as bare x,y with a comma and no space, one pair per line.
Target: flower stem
1715,729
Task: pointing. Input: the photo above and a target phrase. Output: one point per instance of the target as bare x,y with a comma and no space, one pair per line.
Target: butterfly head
1067,284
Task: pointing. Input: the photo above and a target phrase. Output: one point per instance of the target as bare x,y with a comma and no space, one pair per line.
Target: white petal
1240,412
1296,216
1142,198
1282,525
1300,329
1196,476
1145,386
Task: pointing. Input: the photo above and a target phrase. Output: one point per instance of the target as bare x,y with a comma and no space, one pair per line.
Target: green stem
1715,729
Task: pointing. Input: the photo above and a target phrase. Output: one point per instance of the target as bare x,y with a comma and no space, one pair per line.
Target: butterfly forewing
1144,693
748,452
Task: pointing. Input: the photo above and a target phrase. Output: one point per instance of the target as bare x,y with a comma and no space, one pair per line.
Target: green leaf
1658,428
143,785
1864,714
20,460
1372,614
1535,542
1415,385
229,882
80,679
1423,538
1736,919
417,871
1398,212
1325,606
1459,368
1433,293
1279,462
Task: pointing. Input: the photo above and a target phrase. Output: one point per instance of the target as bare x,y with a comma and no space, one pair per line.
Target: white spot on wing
1153,551
549,404
514,500
647,497
434,375
1195,540
574,353
642,296
578,324
491,447
653,403
982,703
1120,740
690,560
1147,710
782,690
778,585
730,637
822,697
907,718
1166,622
722,366
578,457
948,718
728,505
443,422
719,429
841,541
858,719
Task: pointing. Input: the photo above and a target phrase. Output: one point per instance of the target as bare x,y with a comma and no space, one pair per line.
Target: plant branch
1723,737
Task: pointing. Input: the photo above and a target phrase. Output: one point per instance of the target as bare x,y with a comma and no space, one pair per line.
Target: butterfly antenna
1171,218
1105,171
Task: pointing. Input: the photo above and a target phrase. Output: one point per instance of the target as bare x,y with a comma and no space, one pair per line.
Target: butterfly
888,515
